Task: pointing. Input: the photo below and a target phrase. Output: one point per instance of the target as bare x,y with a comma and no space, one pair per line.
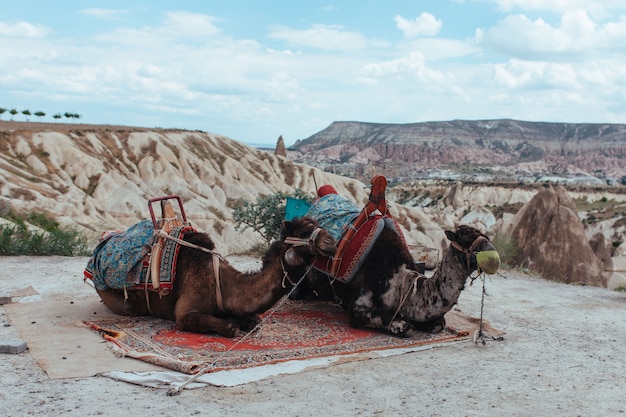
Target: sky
256,70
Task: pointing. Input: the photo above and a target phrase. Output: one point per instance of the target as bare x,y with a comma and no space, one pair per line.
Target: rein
470,251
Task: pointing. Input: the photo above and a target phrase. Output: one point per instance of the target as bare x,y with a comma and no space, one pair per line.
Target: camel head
307,240
474,249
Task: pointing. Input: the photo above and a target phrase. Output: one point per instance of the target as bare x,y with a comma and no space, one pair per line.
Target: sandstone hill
485,149
101,177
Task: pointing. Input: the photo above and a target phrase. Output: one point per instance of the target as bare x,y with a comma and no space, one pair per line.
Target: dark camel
387,292
194,301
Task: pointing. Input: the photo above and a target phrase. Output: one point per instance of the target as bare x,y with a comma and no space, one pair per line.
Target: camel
389,294
229,306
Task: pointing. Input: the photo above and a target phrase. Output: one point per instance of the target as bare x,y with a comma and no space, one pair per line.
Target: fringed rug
298,330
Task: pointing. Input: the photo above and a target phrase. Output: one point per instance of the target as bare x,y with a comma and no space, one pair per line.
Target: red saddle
358,240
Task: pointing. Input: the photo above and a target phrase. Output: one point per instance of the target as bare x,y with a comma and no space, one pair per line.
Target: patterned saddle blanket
345,267
122,258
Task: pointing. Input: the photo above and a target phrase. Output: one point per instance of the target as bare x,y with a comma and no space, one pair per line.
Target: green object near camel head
488,261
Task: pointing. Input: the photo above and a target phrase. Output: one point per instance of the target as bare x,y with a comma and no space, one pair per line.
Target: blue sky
254,70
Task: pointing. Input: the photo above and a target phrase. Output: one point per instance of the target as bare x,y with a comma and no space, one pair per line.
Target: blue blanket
334,213
117,261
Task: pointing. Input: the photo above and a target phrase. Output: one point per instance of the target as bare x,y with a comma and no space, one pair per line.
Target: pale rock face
101,179
38,167
480,218
22,148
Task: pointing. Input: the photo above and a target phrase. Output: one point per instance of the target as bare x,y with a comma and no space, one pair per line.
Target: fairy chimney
552,240
280,147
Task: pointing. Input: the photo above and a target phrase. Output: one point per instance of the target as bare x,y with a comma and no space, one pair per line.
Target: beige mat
62,346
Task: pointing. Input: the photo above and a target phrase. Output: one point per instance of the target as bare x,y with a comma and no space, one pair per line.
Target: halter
470,251
297,241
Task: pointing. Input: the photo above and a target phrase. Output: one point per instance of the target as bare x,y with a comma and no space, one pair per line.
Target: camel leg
432,326
363,313
116,302
197,322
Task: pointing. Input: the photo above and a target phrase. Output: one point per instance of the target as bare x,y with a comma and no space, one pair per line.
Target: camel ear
292,258
450,235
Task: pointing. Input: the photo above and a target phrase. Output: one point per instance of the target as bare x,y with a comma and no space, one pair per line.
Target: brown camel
200,304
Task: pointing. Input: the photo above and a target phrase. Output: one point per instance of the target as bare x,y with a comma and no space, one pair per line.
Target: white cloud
23,30
178,28
517,74
103,13
324,37
411,66
577,34
183,24
594,7
425,24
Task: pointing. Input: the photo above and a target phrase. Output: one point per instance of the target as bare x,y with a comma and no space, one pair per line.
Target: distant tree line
27,113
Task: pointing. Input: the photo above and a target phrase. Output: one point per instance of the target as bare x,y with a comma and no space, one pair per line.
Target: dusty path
564,354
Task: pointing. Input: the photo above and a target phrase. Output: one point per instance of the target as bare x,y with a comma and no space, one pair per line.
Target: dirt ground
563,354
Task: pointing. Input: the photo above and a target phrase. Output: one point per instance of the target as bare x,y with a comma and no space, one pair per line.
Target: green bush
18,239
508,250
264,216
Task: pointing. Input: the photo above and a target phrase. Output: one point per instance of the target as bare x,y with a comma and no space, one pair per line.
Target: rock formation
602,250
552,241
280,147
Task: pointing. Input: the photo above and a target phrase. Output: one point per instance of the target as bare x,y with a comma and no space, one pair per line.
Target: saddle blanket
122,258
356,252
334,214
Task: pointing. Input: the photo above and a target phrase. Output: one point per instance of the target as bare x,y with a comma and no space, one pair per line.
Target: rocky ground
563,354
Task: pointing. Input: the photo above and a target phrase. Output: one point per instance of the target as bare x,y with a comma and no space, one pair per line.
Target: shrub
18,239
264,216
508,250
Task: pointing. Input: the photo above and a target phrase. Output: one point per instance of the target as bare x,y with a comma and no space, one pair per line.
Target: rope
479,335
404,297
176,391
164,234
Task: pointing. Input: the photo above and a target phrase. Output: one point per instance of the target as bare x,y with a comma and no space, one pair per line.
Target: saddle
164,250
358,240
142,257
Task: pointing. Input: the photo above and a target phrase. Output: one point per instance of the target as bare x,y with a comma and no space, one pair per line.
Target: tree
39,114
26,113
13,113
2,110
69,115
264,216
57,116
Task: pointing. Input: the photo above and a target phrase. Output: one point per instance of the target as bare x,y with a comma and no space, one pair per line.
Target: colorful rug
298,330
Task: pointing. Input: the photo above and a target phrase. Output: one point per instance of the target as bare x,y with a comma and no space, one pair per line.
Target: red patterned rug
297,330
